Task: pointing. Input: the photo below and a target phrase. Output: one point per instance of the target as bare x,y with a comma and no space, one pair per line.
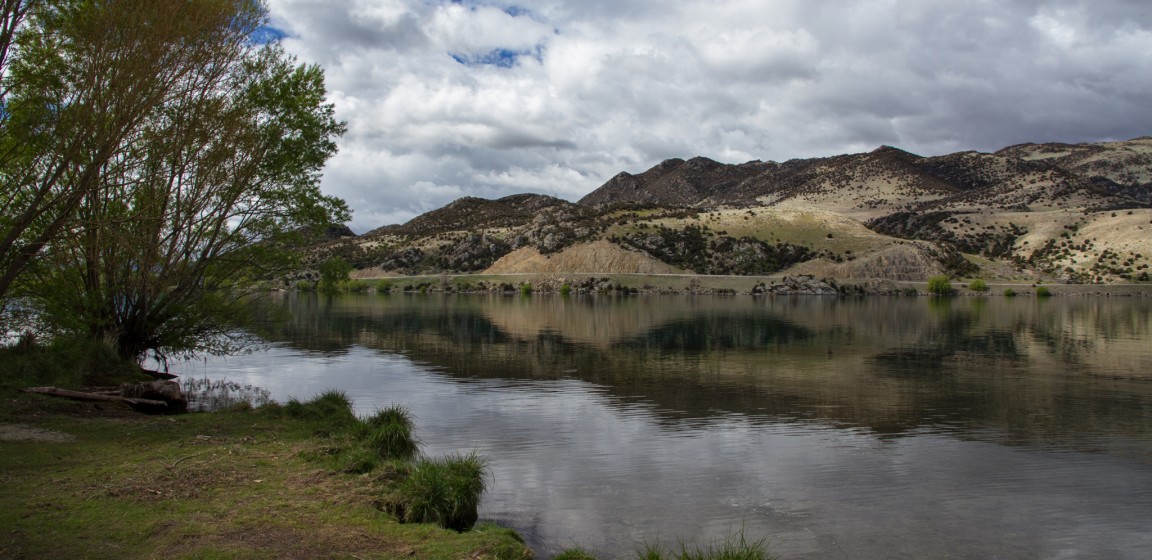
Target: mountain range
1030,212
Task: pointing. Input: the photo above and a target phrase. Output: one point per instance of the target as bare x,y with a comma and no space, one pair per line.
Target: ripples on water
878,428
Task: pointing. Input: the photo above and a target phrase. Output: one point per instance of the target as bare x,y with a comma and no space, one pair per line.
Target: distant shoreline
689,284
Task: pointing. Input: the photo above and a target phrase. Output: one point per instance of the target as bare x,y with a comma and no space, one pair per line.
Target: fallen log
161,375
81,396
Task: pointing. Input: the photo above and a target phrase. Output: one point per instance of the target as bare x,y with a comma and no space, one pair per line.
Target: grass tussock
331,411
734,547
389,434
445,491
574,554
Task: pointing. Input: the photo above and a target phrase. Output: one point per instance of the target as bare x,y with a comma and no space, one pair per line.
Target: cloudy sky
488,98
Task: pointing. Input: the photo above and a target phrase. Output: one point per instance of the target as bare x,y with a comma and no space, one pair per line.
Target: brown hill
1076,212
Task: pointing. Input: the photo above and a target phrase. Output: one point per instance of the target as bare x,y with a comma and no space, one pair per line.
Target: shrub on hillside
940,285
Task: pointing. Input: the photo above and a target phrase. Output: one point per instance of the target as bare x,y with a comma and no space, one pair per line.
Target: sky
446,99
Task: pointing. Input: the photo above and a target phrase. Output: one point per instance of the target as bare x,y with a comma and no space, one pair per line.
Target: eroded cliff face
1072,212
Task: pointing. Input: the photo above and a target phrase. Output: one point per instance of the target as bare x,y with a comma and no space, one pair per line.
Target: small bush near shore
978,285
1009,292
1043,291
940,285
444,491
357,286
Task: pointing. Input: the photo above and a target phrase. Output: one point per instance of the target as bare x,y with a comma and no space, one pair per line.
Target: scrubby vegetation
940,286
418,489
734,547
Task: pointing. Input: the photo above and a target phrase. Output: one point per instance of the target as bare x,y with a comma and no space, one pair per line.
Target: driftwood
81,396
162,375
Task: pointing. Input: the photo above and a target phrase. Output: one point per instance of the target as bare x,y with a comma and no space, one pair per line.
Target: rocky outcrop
804,285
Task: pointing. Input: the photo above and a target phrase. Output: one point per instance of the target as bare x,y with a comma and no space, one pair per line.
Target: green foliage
574,554
940,285
565,289
1043,291
526,289
333,273
444,491
358,286
389,434
1009,292
734,547
65,363
331,411
181,158
978,285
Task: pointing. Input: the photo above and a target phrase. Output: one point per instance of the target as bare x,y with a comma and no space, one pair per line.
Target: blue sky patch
267,34
500,58
510,9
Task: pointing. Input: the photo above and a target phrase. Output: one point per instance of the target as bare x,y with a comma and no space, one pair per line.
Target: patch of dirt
18,432
597,257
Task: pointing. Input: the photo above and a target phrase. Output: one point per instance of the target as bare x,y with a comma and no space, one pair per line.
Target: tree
183,160
333,272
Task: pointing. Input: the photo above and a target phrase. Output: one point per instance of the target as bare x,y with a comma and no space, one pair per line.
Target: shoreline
693,284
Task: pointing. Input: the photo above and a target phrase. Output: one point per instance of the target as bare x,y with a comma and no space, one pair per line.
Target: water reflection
1022,367
866,428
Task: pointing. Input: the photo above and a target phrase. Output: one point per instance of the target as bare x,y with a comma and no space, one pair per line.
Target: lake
876,427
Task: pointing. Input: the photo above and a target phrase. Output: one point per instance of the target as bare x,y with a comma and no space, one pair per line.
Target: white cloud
446,99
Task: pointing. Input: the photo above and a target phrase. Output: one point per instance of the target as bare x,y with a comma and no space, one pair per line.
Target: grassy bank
85,480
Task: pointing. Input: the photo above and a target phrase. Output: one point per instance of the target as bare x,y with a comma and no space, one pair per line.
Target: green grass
230,484
331,412
574,554
389,434
734,547
445,491
65,363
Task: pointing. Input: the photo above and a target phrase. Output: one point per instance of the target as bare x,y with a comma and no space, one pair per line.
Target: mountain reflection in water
882,426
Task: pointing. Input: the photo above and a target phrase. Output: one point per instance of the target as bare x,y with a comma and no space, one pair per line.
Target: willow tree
202,159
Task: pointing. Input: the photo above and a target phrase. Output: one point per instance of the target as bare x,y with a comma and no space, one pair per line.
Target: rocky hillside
1025,213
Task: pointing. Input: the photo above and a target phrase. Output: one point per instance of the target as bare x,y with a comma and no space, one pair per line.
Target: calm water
837,428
